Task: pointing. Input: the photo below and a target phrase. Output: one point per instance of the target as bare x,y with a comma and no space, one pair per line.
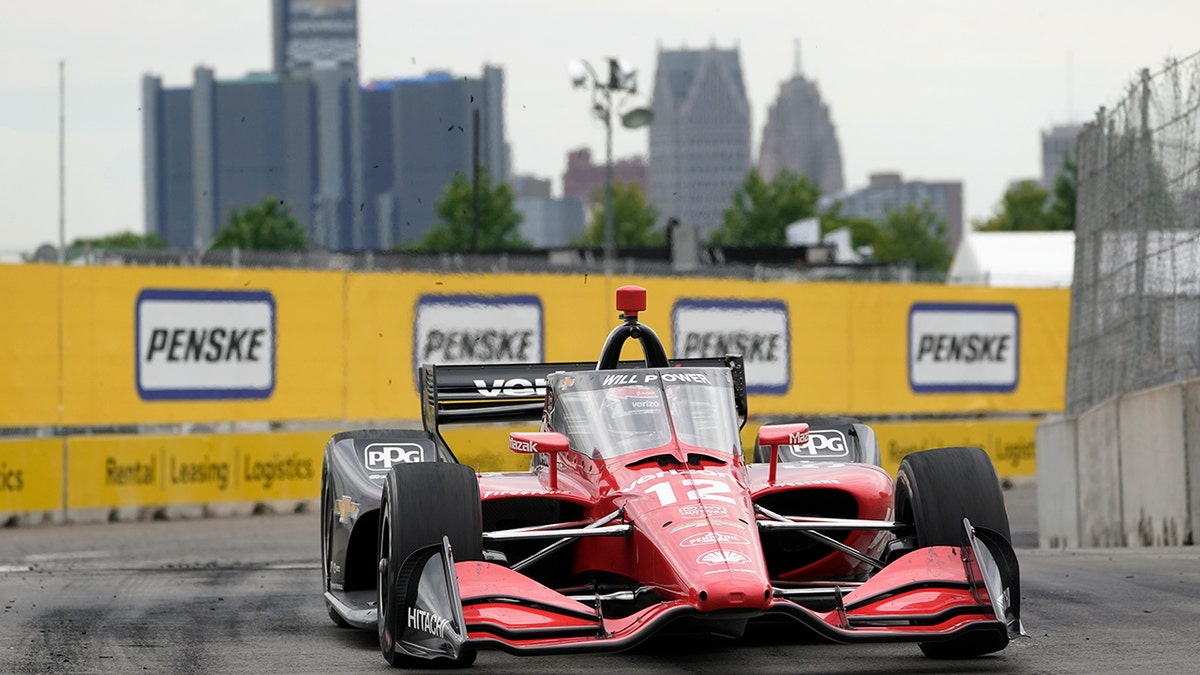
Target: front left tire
420,504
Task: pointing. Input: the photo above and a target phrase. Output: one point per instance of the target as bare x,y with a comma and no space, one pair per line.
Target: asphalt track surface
241,595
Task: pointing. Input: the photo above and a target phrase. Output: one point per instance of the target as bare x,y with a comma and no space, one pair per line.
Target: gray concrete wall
1057,484
1153,467
1191,422
1098,443
1125,473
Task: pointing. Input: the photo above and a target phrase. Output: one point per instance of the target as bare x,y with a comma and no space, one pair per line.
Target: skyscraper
888,191
314,35
583,179
360,168
222,145
419,134
1057,144
800,137
700,136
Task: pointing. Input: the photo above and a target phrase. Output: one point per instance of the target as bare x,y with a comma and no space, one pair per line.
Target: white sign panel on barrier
472,329
956,347
205,345
756,329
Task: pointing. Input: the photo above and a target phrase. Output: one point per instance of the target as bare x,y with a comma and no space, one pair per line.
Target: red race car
640,512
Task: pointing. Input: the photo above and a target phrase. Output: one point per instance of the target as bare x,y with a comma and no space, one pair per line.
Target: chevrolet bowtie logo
346,509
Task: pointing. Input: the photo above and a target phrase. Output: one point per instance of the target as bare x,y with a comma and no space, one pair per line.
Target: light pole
621,78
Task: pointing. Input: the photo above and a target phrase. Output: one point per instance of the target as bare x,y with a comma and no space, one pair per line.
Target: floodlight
637,118
578,73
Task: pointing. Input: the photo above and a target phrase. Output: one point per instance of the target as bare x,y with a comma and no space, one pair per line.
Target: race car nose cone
734,595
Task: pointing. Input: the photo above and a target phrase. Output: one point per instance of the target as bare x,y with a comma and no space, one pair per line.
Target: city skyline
962,93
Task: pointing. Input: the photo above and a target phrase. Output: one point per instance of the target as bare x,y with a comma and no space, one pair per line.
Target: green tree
498,218
762,210
1024,207
914,235
633,219
269,226
122,240
1062,205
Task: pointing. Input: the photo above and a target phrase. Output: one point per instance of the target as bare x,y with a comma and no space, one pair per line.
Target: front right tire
935,490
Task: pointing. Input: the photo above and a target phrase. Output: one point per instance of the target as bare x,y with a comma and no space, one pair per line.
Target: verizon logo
517,387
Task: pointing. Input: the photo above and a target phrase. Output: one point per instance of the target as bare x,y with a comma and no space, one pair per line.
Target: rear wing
517,392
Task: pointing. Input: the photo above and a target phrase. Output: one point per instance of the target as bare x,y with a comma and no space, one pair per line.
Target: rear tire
420,504
935,490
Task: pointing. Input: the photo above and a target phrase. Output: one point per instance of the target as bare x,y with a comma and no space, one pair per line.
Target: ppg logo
824,443
383,456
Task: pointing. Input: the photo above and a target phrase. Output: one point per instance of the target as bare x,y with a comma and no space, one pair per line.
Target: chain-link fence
1135,301
787,264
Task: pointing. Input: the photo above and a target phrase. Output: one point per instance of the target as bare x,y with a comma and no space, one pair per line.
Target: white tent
1029,259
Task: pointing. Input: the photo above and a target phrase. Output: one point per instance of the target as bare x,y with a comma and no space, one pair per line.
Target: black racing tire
327,544
935,490
420,504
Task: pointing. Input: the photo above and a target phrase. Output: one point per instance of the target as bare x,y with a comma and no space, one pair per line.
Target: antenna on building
1070,102
62,161
796,55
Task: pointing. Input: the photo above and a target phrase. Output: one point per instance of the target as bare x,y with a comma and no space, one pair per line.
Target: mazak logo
710,538
473,329
798,439
719,557
204,345
758,330
383,456
517,387
523,446
821,444
954,347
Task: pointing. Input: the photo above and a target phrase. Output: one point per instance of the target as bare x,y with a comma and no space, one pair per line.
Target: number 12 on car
706,490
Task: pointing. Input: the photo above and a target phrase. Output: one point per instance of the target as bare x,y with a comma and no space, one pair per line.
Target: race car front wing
929,595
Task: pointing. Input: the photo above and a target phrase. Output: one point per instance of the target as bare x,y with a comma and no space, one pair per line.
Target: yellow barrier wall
29,371
101,365
847,345
347,345
1009,443
384,327
878,365
112,471
31,475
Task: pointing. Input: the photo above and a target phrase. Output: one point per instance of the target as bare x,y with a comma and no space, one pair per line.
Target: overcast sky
937,90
